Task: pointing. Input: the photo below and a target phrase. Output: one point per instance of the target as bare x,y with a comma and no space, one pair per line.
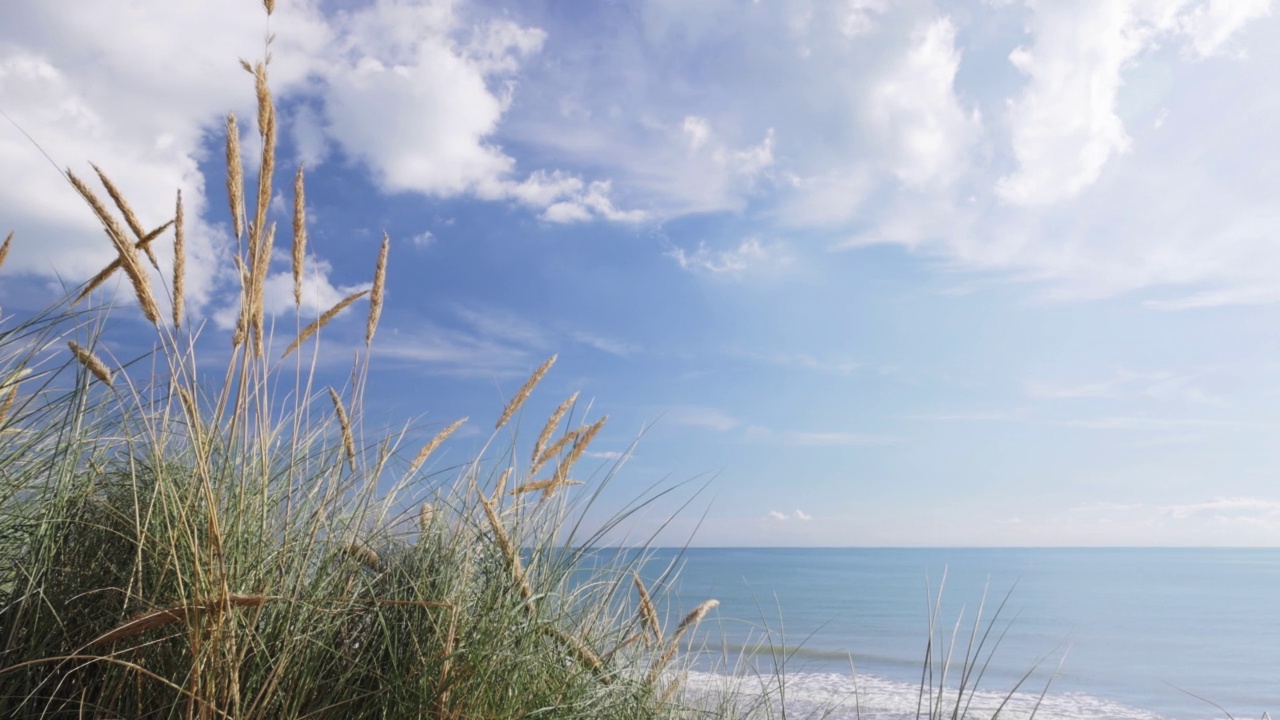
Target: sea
1066,634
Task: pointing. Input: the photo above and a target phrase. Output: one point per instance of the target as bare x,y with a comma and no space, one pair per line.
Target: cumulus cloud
914,107
409,88
1065,125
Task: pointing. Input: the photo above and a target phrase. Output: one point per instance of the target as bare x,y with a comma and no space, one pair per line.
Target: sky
845,273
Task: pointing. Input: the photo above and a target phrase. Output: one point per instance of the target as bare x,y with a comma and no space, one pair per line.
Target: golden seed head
379,286
364,555
430,447
299,235
126,250
695,617
235,176
321,321
91,362
348,440
179,262
648,613
4,249
524,392
553,422
579,446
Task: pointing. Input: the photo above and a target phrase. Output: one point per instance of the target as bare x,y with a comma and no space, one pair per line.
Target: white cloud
831,199
701,417
307,132
1210,25
696,130
434,106
750,254
915,108
775,515
405,87
318,292
423,239
860,16
1065,124
749,162
803,516
1224,507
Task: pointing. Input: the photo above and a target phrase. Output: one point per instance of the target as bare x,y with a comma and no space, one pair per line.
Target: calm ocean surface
1134,624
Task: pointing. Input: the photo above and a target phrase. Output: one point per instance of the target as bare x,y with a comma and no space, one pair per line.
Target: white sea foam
835,696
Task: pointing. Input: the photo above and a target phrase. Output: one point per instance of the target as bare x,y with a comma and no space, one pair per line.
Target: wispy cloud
760,433
1158,385
608,345
700,417
800,515
1224,507
805,361
748,256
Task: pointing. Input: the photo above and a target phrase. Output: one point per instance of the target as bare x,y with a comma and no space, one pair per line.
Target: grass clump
194,542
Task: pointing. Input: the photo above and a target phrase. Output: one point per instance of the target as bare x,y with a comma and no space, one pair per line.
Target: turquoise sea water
1129,626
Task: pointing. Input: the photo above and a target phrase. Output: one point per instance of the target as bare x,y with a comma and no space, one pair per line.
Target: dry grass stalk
425,513
648,612
450,646
509,552
553,422
548,486
189,404
379,288
321,321
11,394
127,252
179,261
628,642
501,487
4,249
364,555
555,449
270,5
524,392
299,235
690,620
266,168
579,447
258,283
235,176
96,281
348,440
91,362
158,618
130,217
578,649
431,445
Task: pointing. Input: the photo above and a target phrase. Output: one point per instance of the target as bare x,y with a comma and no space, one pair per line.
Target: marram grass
171,551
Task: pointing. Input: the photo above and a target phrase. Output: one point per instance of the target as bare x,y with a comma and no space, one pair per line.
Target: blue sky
912,273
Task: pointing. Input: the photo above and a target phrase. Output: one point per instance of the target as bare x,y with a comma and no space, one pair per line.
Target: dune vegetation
184,538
